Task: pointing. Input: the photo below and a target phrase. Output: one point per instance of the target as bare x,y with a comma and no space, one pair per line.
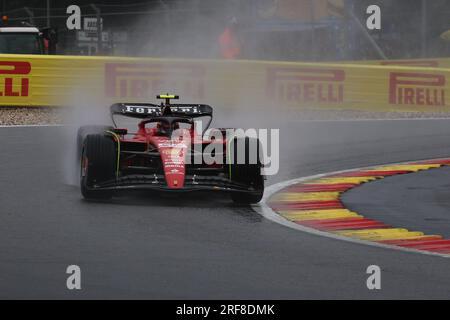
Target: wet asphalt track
195,247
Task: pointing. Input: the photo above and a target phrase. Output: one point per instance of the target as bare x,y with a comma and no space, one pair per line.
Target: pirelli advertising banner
66,80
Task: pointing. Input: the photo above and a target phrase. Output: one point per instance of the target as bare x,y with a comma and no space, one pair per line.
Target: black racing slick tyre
98,164
247,171
83,131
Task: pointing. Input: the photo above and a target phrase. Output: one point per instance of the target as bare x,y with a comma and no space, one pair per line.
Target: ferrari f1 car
154,157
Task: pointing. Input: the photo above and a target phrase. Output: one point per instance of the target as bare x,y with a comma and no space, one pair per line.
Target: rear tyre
98,164
248,172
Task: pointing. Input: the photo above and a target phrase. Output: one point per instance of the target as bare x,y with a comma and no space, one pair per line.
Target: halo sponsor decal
305,85
145,80
422,89
14,81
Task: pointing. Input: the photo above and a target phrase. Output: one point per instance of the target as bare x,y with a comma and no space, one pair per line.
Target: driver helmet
163,128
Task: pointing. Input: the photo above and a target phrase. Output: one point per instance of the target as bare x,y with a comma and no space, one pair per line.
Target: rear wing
148,110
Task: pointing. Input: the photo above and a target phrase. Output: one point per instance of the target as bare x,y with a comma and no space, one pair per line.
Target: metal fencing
293,30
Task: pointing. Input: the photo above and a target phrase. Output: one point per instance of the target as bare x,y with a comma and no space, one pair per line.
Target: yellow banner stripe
299,196
425,236
410,167
371,231
381,234
336,180
400,236
319,215
314,211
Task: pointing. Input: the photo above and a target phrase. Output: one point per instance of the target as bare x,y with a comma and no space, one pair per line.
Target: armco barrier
27,80
432,63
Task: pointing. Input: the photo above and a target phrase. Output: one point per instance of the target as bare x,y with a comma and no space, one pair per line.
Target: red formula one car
167,153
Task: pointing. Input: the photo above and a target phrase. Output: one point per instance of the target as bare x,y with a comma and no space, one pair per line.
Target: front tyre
84,131
98,164
247,198
246,169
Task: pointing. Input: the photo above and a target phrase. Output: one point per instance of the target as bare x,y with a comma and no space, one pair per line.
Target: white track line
267,212
31,125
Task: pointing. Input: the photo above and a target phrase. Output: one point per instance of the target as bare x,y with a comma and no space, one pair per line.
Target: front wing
157,182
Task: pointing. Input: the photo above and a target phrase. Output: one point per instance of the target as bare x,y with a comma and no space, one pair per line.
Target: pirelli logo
145,80
14,78
305,85
422,89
